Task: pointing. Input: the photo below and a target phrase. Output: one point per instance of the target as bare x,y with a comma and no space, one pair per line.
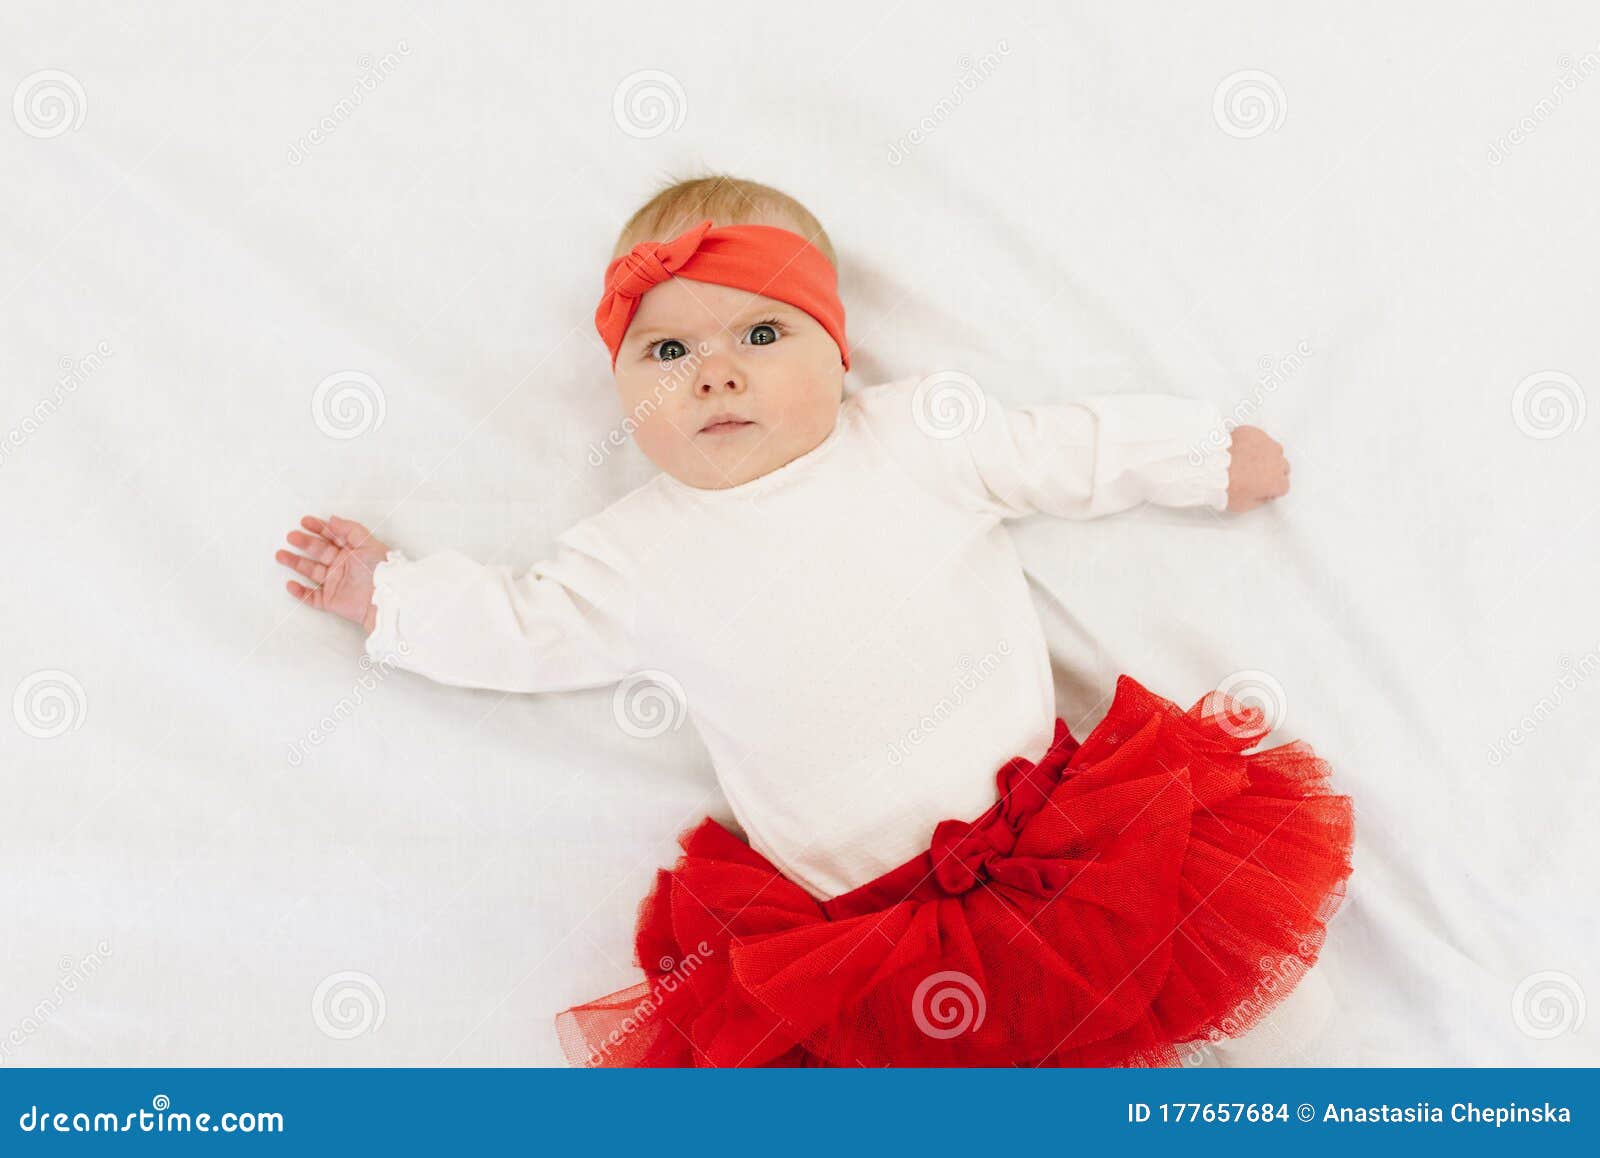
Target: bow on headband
761,259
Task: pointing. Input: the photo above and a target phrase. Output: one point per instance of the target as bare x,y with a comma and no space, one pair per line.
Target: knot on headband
761,259
650,263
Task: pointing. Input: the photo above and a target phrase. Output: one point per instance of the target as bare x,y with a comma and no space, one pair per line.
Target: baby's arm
1081,459
561,624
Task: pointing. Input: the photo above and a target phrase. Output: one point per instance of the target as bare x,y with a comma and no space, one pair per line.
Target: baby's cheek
813,400
659,438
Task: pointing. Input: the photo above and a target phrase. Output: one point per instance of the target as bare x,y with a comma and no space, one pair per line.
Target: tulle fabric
1153,886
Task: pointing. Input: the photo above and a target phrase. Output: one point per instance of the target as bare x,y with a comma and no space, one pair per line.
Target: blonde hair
726,200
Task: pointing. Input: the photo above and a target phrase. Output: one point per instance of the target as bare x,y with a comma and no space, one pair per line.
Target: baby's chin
721,460
723,470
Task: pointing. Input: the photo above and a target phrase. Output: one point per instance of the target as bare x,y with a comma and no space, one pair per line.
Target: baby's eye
763,334
669,348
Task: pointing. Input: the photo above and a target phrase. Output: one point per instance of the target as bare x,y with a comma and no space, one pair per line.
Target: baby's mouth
725,426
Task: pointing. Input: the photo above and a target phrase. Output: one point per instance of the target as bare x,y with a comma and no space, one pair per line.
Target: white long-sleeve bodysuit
852,633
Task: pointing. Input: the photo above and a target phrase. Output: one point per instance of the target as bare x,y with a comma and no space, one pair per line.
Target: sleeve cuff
1212,458
385,641
1171,451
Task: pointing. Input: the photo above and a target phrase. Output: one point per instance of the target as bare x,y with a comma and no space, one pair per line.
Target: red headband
762,259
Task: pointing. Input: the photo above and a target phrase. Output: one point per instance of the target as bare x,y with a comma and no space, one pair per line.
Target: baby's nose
712,385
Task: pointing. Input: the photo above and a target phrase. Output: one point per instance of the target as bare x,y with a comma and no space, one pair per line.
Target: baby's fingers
347,532
310,568
316,526
310,596
314,545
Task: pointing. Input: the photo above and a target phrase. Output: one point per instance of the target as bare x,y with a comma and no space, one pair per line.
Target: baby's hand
1258,470
343,555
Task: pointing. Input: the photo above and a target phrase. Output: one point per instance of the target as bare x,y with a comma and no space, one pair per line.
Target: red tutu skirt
1150,887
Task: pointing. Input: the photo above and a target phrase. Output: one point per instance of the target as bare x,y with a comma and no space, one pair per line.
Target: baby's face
696,352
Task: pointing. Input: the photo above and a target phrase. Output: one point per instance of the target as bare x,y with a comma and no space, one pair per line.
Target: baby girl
811,571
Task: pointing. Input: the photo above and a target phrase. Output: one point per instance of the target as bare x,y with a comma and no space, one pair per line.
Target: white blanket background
1372,231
